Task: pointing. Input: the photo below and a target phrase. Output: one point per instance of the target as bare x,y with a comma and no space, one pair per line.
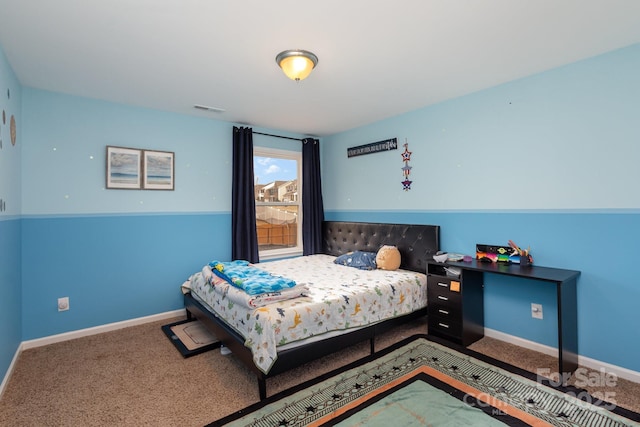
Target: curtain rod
278,136
283,137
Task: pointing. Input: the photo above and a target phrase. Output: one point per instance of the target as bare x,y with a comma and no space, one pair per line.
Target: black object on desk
462,318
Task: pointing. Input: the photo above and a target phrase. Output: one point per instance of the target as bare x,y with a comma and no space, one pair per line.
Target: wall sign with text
374,147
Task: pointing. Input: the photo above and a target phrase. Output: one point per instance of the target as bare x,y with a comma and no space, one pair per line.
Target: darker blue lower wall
113,268
10,292
120,267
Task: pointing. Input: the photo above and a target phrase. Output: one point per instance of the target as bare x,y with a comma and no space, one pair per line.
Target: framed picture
158,169
124,168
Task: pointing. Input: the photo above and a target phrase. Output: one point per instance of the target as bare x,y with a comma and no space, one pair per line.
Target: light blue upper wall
65,157
549,161
563,139
10,154
10,206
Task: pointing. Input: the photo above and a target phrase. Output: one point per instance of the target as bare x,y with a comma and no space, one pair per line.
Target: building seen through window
277,196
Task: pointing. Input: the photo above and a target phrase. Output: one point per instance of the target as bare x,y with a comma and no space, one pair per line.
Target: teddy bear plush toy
388,258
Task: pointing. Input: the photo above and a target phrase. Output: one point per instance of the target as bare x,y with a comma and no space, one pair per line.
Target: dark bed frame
417,244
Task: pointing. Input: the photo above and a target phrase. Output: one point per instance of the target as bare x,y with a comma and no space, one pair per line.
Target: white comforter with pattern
334,298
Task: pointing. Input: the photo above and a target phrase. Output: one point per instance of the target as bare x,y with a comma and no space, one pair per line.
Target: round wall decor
13,130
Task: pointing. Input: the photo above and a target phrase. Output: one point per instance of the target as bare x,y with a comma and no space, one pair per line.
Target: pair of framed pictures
130,168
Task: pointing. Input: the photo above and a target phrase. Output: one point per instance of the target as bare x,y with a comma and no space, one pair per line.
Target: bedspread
338,298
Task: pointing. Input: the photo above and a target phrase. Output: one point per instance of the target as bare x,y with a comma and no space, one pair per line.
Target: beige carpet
135,377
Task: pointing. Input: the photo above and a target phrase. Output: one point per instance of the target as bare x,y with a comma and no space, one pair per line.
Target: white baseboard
587,362
39,342
12,365
521,342
620,372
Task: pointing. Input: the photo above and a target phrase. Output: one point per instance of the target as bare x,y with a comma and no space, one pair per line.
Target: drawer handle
443,311
444,285
443,298
443,325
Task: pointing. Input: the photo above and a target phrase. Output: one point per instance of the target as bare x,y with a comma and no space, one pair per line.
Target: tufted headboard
417,243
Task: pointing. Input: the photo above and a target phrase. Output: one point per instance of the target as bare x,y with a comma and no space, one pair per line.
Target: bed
270,338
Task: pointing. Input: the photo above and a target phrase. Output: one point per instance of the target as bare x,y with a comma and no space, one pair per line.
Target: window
277,190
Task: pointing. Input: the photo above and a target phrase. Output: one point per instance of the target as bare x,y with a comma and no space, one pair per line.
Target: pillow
358,259
388,258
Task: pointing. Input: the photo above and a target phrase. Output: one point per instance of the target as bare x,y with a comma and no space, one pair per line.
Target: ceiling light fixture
297,64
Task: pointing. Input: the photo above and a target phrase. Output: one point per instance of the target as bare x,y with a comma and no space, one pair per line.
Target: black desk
565,280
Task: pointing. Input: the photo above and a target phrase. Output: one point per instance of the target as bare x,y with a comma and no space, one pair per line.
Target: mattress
335,298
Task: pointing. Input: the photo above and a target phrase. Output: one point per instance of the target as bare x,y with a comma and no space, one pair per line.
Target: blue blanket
250,279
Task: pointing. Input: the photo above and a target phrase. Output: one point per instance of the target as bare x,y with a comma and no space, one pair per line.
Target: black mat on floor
190,337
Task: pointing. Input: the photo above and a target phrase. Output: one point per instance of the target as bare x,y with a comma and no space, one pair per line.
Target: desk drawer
447,299
445,325
443,286
446,311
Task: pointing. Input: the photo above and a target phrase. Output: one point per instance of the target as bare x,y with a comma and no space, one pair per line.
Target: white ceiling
377,58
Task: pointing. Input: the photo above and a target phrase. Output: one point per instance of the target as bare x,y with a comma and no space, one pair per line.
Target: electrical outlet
536,311
63,304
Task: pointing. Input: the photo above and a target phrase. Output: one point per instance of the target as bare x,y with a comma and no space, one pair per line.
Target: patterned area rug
421,382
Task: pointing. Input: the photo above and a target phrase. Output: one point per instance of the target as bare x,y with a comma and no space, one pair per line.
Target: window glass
277,192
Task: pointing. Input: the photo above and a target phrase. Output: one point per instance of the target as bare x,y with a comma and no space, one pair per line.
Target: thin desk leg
567,327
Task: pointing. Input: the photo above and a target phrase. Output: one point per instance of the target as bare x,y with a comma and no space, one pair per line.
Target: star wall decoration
406,169
406,154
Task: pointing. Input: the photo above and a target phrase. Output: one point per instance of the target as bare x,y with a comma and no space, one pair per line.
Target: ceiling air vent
207,108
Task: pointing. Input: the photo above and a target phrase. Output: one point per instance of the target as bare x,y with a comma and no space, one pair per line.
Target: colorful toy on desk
493,253
521,256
